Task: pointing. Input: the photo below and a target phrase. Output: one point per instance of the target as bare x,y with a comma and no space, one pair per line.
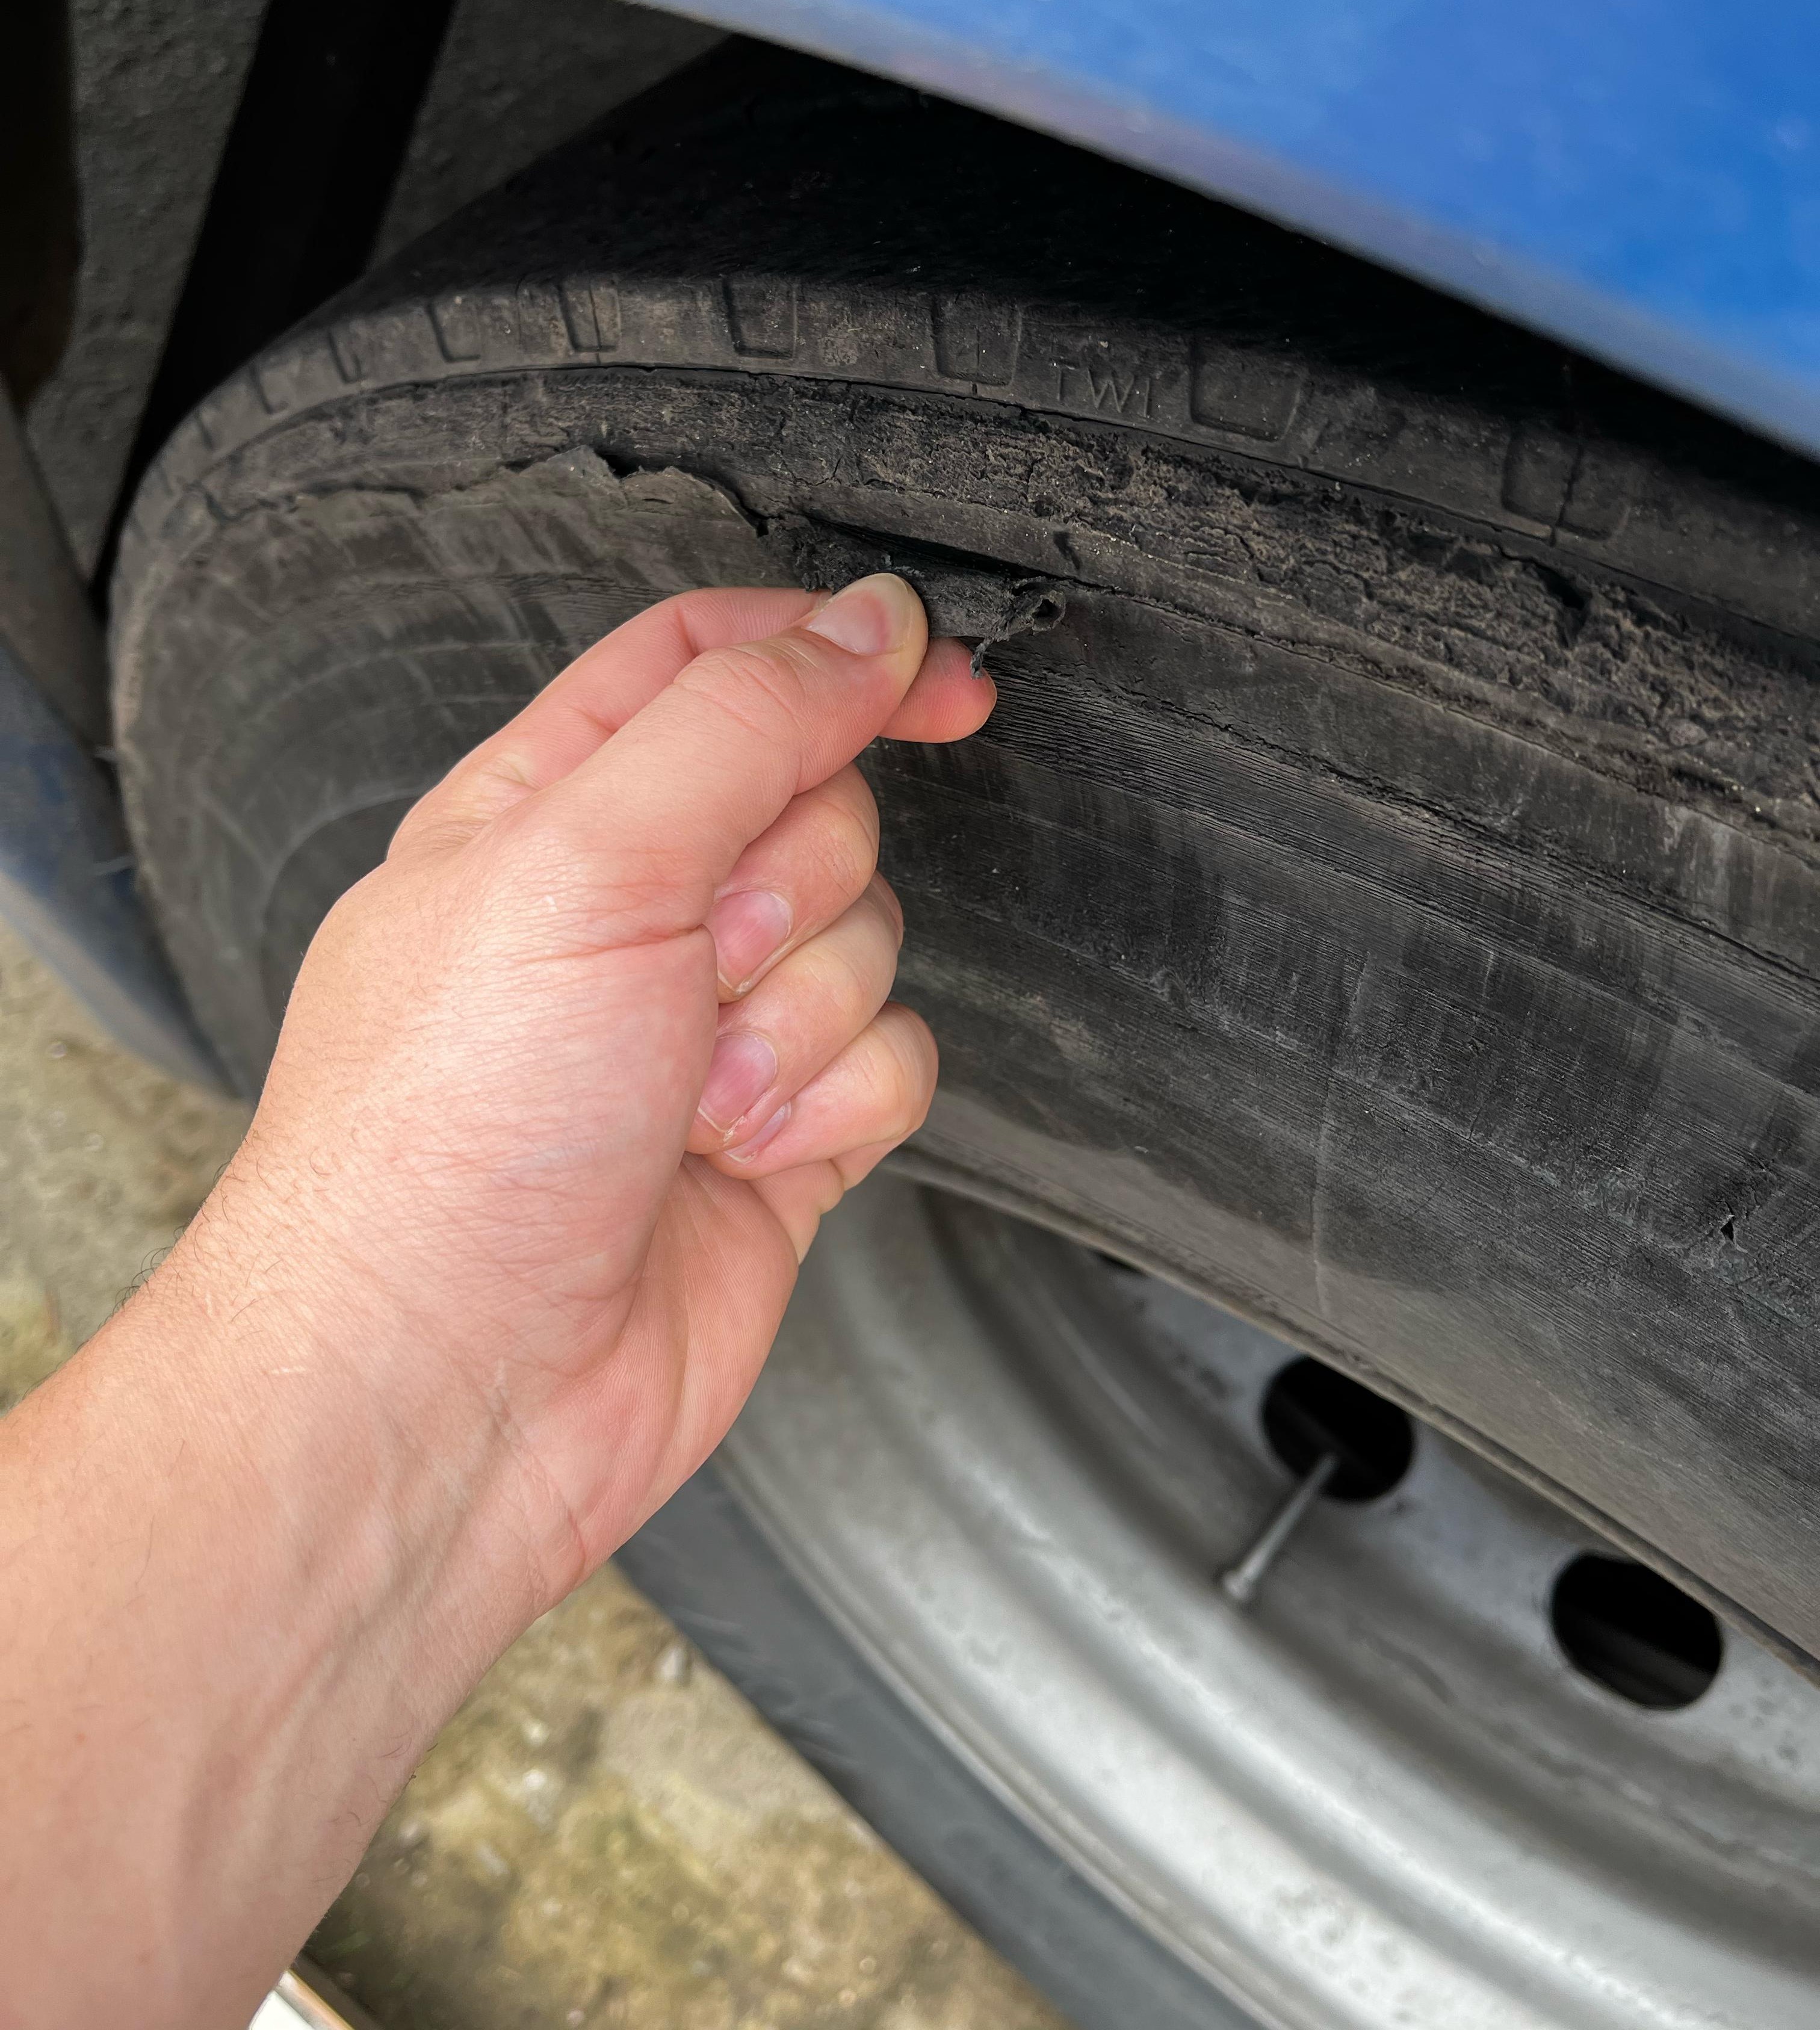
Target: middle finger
806,1012
800,876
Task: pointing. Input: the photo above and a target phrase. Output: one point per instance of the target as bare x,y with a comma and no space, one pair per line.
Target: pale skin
564,1089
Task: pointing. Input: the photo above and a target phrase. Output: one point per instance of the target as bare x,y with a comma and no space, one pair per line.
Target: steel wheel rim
1380,1795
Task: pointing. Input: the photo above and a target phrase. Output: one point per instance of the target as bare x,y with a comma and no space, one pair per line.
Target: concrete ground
605,1834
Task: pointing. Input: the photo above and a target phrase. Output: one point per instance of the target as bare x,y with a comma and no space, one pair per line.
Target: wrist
311,1389
221,1476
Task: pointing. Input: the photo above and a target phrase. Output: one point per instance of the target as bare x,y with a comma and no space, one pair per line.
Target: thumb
666,807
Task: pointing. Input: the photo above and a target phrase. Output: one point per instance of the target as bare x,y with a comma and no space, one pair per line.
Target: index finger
584,706
608,683
656,817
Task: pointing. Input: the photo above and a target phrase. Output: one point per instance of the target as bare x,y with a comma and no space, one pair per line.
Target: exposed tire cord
1386,898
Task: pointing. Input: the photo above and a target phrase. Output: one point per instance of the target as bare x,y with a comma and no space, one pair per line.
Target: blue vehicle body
1638,178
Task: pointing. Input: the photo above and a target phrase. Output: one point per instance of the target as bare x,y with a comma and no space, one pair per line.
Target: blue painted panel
1638,177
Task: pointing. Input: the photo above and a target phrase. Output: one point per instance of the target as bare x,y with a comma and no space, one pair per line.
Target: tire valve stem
1241,1581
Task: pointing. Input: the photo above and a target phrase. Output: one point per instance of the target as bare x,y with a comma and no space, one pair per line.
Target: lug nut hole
1628,1629
1310,1410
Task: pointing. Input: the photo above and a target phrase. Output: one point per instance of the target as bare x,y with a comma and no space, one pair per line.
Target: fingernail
739,1074
752,1143
746,927
873,616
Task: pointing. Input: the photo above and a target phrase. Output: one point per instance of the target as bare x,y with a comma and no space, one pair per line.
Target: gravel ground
605,1834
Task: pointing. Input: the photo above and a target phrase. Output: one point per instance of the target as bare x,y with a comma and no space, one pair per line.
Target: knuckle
854,792
844,842
503,771
680,606
411,828
865,973
866,949
884,897
756,683
908,1075
555,872
479,789
835,981
428,829
690,619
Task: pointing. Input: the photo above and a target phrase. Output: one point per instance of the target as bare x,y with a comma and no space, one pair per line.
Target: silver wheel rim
1380,1795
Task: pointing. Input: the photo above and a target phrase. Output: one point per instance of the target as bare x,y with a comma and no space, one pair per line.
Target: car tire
1385,899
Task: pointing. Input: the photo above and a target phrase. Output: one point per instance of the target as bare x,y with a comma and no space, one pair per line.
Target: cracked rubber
1387,897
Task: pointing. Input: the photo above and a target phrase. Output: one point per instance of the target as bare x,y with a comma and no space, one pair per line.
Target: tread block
591,311
761,316
1598,499
344,344
1562,482
299,370
1538,471
543,326
457,322
390,342
1251,394
975,337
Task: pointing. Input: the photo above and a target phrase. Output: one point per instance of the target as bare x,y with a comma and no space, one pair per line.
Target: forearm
246,1571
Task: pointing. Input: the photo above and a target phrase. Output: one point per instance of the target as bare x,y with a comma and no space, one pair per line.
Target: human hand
566,1085
502,1253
